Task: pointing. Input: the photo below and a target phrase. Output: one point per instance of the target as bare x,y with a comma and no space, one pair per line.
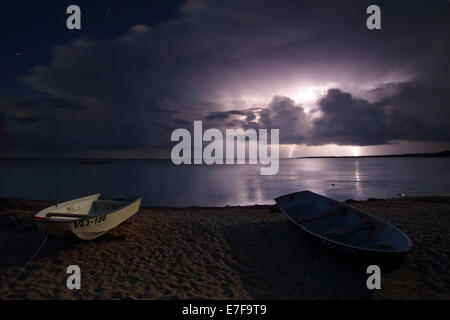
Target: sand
220,253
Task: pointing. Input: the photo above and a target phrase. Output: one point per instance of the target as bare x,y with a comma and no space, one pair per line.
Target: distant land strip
441,154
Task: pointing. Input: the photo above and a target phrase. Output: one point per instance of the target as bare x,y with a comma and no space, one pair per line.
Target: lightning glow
292,149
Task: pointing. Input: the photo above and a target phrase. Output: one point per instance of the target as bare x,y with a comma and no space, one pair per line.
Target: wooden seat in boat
317,216
365,225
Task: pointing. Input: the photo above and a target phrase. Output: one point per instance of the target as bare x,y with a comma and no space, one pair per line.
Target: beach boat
87,218
346,229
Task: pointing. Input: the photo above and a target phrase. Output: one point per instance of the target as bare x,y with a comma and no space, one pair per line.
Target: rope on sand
23,268
37,251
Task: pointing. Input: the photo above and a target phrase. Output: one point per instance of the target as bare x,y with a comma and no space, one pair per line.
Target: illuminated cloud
248,64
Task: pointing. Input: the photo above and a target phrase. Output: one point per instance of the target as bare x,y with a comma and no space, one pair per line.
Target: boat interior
80,208
341,223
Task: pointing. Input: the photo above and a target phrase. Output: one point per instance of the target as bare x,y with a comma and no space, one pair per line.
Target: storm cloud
241,64
348,120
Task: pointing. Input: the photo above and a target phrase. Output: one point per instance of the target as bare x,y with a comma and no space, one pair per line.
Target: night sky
137,70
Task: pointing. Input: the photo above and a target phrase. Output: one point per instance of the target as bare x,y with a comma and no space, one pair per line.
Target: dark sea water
162,183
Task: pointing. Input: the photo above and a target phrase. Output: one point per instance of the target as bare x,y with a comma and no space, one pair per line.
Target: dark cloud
347,120
221,115
49,102
402,111
424,107
401,115
280,113
181,122
284,114
209,62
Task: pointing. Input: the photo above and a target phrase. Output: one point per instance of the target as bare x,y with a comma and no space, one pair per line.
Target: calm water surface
163,184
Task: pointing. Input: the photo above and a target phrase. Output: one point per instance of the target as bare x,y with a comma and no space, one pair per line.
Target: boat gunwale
341,204
48,220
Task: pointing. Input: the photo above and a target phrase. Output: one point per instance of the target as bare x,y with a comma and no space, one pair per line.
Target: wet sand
220,253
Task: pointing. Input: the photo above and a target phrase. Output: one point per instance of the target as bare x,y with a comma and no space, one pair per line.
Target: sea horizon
443,153
161,183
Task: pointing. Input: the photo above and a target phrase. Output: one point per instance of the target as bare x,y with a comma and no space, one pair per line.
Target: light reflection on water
358,179
163,184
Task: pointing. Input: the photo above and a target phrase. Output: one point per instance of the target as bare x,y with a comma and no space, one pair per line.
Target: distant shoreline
441,154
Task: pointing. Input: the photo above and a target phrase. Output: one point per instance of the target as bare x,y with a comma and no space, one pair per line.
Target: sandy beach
220,253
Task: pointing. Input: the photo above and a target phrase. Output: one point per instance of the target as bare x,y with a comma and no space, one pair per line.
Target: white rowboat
87,218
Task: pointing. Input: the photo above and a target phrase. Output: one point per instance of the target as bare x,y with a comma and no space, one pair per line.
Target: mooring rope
23,268
37,251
